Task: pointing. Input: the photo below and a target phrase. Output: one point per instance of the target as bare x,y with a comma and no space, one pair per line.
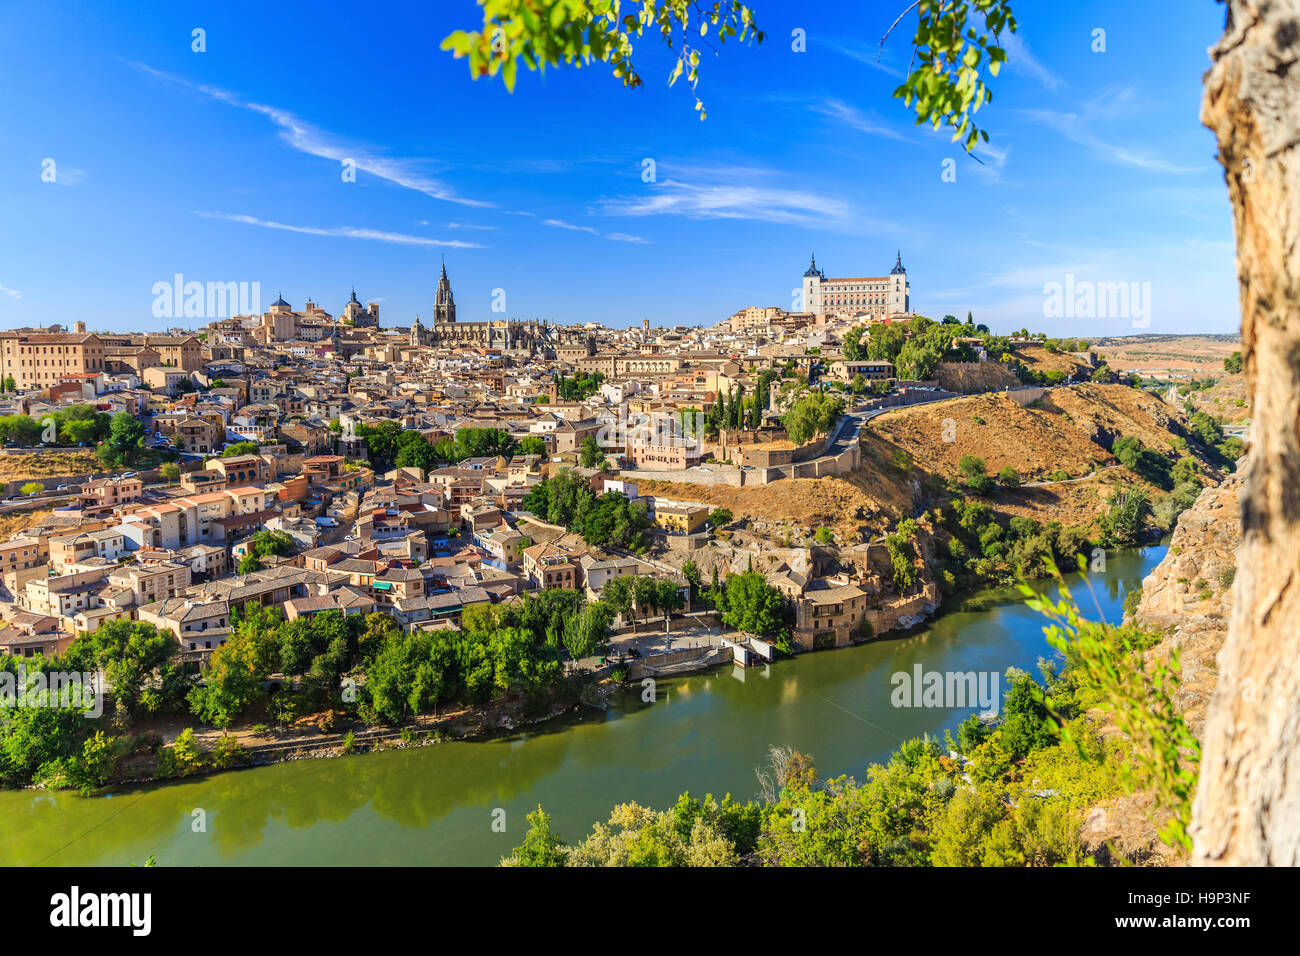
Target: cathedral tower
444,306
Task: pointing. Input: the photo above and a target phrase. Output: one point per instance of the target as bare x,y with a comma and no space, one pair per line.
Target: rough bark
1247,808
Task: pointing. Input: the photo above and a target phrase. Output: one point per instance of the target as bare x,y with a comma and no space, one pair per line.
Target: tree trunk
1247,808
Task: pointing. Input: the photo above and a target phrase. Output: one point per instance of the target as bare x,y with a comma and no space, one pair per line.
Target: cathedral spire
444,304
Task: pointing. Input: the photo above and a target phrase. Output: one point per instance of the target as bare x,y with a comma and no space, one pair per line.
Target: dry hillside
969,378
1069,429
14,521
1076,503
1038,359
1193,355
49,465
869,498
1220,399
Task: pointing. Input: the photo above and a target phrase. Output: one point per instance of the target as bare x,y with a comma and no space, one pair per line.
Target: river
437,804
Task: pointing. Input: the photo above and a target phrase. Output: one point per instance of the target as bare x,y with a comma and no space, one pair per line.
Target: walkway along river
435,805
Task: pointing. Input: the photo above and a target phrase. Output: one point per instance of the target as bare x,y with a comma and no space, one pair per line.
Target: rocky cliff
1188,599
971,377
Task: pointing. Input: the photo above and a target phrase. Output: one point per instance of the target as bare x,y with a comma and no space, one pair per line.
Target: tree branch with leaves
577,33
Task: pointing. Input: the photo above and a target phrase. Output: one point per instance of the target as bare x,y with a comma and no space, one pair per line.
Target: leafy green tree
404,679
532,445
36,737
618,593
482,443
1185,470
748,603
272,542
381,440
1207,429
413,451
591,453
885,342
586,633
667,599
125,440
902,559
541,847
977,478
132,655
853,345
608,521
644,593
812,415
232,682
241,448
691,571
720,517
1125,522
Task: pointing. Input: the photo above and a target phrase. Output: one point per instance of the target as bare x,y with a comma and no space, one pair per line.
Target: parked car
129,474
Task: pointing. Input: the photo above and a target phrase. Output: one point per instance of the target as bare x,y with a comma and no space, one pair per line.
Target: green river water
435,805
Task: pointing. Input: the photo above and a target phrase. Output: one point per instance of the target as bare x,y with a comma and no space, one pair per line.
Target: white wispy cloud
307,138
1019,59
856,119
992,155
1076,128
65,175
873,58
991,161
731,200
561,224
342,232
11,293
615,236
1106,110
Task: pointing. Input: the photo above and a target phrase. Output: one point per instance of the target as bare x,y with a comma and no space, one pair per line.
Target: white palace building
878,296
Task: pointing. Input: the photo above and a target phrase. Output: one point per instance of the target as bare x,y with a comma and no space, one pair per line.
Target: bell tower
444,306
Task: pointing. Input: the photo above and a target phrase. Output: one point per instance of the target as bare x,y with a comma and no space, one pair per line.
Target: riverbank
253,745
422,805
245,748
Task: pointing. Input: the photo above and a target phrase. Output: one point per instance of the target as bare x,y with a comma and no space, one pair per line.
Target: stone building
875,295
446,332
41,359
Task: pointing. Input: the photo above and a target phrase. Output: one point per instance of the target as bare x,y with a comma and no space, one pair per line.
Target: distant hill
1187,356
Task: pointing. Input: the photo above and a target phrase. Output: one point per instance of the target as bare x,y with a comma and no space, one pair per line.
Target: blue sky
225,166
